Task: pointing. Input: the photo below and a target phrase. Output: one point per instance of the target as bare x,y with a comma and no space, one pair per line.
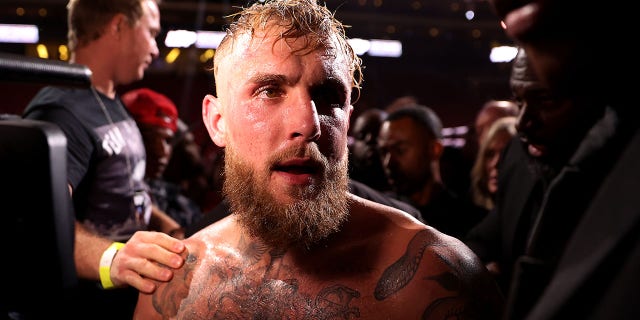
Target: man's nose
303,118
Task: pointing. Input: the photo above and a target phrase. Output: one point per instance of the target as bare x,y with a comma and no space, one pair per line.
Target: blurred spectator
156,116
365,164
457,162
401,102
199,175
484,174
411,147
491,111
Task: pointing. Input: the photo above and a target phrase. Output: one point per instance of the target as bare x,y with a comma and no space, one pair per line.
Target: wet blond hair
301,19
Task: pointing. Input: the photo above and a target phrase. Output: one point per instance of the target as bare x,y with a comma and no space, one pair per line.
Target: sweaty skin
282,113
419,274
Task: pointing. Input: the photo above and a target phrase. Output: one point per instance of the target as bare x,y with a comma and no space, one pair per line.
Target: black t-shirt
106,159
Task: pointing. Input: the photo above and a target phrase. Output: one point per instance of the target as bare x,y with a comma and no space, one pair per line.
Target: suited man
530,163
581,249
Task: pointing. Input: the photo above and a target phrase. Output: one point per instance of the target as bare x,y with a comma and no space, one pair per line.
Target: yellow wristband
105,264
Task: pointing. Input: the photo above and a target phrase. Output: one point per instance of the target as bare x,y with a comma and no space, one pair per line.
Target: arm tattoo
167,300
400,273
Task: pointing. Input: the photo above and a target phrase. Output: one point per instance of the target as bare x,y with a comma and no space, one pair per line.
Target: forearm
88,250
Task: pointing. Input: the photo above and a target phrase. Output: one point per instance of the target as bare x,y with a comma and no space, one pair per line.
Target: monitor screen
37,217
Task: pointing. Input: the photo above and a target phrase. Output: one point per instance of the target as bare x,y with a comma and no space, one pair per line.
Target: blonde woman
484,174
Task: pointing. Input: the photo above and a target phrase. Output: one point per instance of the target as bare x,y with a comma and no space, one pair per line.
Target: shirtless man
298,245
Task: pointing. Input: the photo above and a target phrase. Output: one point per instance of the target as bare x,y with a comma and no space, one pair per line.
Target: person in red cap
157,118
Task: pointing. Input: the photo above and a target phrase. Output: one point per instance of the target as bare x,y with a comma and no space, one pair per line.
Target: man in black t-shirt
114,254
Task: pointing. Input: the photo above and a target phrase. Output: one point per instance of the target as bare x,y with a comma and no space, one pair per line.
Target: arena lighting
209,39
455,131
172,55
385,48
43,52
180,38
360,46
503,54
454,136
207,55
454,142
469,15
19,33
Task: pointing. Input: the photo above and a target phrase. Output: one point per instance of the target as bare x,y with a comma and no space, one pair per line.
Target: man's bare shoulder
423,261
208,253
220,228
374,265
370,209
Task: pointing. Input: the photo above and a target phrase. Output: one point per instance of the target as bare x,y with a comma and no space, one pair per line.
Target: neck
432,185
101,70
429,191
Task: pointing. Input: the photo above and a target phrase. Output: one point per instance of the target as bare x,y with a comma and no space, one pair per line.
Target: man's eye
328,96
269,92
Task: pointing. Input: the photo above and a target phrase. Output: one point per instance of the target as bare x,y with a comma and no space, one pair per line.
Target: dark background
445,62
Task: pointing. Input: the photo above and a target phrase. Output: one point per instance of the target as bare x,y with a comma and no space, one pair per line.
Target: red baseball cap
152,108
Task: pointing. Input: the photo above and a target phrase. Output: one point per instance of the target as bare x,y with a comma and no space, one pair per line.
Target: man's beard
318,210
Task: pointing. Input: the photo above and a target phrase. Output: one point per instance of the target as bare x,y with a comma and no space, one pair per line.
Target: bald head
491,111
520,70
369,121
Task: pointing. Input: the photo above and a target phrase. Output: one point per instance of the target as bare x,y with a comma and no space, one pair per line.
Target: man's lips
298,171
534,149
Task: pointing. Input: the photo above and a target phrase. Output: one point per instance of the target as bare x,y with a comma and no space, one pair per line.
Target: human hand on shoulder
147,257
166,300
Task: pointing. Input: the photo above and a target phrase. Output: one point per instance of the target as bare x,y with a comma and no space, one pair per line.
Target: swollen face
317,211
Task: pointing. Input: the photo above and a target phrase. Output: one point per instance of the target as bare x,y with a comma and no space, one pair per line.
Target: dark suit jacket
598,269
501,235
572,251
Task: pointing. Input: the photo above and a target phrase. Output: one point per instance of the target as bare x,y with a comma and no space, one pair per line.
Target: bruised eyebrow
268,78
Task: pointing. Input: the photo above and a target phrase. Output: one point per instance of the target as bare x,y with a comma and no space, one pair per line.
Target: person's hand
145,257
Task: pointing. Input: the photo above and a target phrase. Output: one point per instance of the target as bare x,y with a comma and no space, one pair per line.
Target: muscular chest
278,291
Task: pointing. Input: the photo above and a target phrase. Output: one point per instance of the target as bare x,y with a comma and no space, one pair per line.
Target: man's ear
213,120
116,24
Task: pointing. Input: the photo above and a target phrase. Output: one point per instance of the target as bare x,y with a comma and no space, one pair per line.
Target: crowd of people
311,212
